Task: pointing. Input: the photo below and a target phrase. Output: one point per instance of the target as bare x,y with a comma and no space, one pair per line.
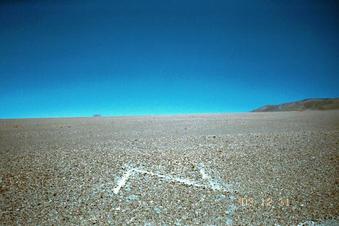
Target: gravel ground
229,169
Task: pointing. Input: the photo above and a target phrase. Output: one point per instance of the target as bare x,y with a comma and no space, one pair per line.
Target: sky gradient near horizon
79,58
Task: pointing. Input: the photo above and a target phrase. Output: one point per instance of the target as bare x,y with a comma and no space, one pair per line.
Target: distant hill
302,105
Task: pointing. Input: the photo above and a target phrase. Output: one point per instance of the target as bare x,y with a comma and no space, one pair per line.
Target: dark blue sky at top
79,58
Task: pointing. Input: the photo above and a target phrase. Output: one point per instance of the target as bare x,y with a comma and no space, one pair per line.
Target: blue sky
79,58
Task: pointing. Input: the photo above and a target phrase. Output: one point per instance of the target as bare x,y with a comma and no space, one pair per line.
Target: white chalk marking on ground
329,222
230,211
122,181
212,184
306,223
170,178
203,173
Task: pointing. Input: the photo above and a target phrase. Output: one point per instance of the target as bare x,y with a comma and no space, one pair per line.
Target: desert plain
270,168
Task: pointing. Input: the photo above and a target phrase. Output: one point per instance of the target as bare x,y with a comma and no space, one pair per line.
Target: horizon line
129,115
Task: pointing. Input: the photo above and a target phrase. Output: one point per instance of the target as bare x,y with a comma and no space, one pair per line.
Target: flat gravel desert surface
225,169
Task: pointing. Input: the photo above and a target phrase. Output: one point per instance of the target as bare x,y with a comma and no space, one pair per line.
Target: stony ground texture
233,169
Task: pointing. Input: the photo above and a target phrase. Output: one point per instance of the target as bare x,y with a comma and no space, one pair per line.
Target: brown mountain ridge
302,105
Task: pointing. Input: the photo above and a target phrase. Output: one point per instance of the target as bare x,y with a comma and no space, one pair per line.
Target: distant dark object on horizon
303,105
96,115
